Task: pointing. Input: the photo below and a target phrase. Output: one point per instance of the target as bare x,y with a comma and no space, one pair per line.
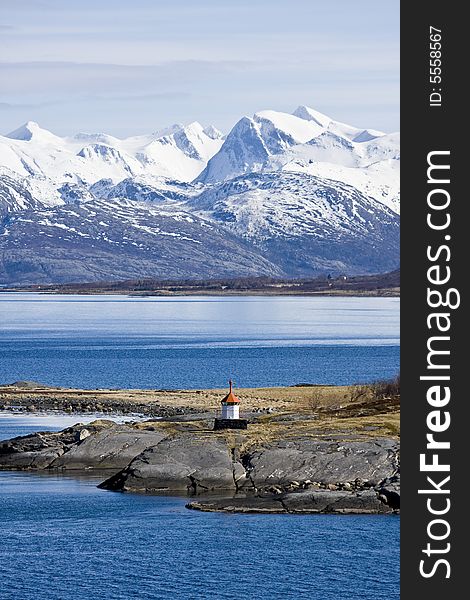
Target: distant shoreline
393,293
382,285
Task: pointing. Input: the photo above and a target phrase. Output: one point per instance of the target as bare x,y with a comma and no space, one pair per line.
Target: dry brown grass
354,421
252,399
311,412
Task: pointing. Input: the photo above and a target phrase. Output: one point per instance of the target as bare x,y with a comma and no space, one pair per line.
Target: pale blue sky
126,67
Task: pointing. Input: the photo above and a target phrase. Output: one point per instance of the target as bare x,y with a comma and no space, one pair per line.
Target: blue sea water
188,342
63,539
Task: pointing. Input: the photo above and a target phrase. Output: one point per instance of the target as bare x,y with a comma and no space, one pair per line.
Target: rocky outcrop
39,450
187,463
198,464
111,448
300,475
325,461
312,501
389,491
239,504
306,501
34,397
100,445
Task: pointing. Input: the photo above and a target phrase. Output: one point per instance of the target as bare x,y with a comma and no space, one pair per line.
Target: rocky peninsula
307,449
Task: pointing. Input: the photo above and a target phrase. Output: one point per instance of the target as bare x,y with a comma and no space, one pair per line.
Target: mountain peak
25,132
213,132
243,149
166,131
309,114
95,138
31,130
194,127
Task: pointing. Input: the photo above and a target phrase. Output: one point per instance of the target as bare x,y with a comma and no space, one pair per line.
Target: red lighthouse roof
230,398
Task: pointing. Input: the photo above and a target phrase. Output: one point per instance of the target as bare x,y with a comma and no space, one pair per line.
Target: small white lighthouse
230,418
230,405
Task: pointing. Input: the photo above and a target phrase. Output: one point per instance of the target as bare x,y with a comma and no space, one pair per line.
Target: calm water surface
63,538
118,341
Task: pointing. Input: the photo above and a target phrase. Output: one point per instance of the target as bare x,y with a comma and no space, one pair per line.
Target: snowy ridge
282,194
179,152
306,221
273,141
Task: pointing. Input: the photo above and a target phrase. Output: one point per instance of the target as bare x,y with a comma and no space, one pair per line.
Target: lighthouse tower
230,405
230,417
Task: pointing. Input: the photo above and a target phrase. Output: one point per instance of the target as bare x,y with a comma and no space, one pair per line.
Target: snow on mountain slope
31,131
381,148
181,155
281,130
109,160
306,224
331,148
380,180
213,132
93,138
145,189
252,141
121,239
178,152
309,114
13,196
288,194
9,159
352,133
274,141
63,161
193,140
243,150
19,193
270,140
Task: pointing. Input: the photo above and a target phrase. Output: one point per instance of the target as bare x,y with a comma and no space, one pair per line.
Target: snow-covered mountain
179,152
282,194
278,141
121,239
304,223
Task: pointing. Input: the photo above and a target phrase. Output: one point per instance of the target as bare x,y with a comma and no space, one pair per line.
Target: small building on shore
230,416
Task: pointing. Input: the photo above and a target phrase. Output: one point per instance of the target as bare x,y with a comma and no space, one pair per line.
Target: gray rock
390,491
187,463
194,464
107,446
111,448
36,459
239,475
38,450
254,504
286,477
310,502
326,462
327,501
